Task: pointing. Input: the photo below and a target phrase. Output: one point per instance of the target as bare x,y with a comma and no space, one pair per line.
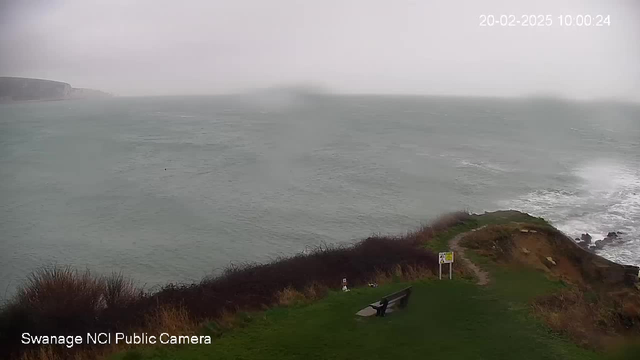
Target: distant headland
25,89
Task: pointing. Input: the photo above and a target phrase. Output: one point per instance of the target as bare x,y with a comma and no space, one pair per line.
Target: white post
440,272
450,269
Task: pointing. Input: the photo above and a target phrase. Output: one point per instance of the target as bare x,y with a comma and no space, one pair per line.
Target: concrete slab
369,311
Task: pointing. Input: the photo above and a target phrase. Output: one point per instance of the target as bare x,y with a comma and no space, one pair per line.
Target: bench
400,298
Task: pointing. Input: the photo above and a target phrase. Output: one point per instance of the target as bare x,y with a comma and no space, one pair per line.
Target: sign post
445,258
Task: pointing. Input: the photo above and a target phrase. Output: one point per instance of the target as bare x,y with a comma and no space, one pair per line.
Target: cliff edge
26,89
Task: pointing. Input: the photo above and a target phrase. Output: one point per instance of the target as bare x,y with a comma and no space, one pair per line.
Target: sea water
176,188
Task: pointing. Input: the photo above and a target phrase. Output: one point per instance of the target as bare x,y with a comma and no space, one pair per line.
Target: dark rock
583,244
599,244
607,240
612,234
577,239
586,237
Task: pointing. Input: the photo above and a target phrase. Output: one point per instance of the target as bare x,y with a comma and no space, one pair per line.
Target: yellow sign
445,257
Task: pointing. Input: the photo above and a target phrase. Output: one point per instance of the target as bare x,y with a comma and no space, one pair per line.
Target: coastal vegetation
547,298
64,301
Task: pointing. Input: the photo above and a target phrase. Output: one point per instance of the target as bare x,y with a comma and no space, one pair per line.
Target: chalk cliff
26,89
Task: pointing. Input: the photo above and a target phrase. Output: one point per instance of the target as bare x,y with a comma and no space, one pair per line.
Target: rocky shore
585,240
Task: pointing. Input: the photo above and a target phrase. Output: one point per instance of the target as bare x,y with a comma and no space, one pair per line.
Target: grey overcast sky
163,47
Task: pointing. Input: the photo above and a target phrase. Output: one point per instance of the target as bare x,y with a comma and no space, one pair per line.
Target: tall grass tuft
60,299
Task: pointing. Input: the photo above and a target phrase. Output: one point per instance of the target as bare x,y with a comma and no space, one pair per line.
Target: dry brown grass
408,273
495,241
289,296
172,320
315,291
48,353
382,278
227,320
44,353
592,319
411,273
509,244
597,311
630,309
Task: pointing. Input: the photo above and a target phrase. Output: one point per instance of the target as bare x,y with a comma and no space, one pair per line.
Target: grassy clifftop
528,311
292,308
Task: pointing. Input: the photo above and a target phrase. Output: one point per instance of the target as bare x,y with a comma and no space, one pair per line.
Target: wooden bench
400,298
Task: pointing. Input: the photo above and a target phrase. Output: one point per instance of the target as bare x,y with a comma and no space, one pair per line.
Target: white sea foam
606,198
485,165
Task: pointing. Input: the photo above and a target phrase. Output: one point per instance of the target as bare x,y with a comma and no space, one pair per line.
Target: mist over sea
175,188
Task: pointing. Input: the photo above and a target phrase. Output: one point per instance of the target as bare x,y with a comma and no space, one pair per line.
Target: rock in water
612,234
599,244
586,237
583,244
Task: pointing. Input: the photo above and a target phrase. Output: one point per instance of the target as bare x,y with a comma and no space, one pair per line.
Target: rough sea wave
606,197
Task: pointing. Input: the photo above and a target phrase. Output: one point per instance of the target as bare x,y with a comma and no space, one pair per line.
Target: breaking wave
605,197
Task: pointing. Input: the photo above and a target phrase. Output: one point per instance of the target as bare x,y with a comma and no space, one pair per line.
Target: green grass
629,352
445,319
503,217
440,242
451,319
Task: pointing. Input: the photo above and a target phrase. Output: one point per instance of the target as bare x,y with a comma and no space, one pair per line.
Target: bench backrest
397,294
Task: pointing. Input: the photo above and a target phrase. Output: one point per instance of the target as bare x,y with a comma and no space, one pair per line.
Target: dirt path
483,276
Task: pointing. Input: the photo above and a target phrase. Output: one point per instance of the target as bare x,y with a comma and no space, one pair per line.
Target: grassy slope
452,319
440,242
